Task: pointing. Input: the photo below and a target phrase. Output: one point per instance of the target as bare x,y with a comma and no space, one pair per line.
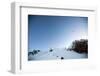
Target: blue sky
45,32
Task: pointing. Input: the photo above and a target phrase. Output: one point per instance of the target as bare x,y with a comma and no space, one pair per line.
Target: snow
57,54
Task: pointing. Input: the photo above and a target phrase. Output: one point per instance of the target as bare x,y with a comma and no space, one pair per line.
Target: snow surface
57,54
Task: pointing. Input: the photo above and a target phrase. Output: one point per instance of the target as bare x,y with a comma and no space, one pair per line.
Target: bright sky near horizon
45,32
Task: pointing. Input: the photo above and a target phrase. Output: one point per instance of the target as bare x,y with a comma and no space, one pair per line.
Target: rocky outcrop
80,46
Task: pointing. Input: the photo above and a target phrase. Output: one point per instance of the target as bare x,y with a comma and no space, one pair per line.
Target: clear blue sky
46,32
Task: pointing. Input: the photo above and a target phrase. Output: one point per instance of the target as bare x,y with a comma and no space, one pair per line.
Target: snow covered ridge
79,50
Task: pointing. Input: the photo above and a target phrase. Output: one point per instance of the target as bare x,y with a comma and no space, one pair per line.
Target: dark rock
50,50
62,58
80,46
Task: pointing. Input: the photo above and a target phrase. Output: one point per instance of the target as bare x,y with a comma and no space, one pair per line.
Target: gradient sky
45,32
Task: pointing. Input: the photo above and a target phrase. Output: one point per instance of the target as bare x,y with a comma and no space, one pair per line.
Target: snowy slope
57,54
